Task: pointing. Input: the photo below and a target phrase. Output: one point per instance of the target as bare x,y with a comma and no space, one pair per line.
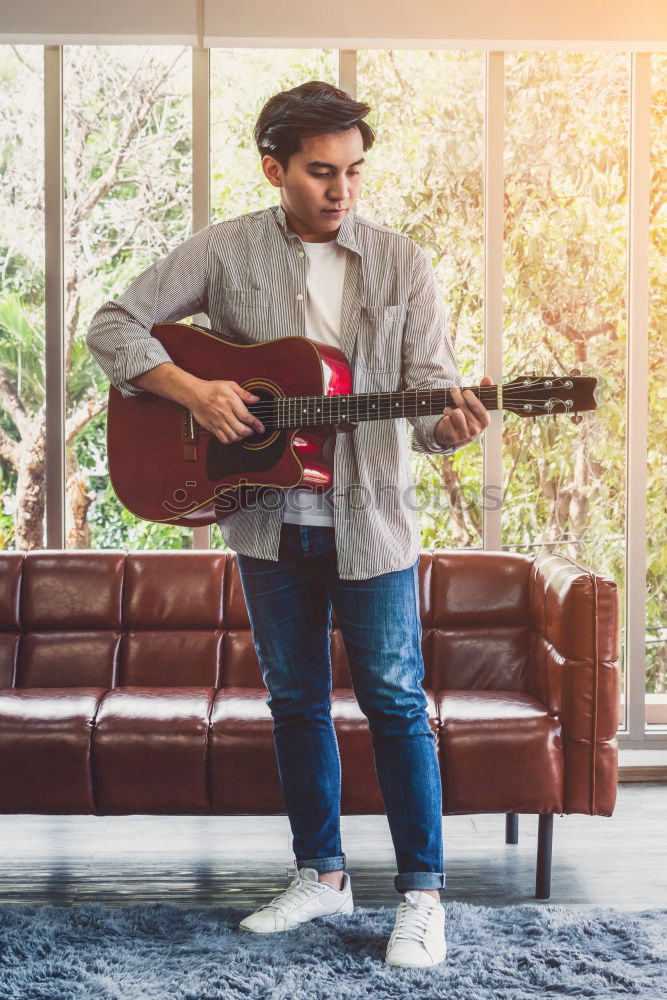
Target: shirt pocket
246,312
372,382
381,337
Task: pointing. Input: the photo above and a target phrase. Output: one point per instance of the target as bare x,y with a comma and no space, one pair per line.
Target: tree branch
133,122
83,414
11,402
9,448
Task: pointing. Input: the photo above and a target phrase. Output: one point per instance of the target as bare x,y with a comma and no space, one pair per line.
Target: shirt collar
345,236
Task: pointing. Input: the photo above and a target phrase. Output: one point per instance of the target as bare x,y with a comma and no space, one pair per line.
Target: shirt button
299,296
301,253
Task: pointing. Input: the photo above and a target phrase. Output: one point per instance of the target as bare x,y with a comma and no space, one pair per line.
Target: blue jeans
289,603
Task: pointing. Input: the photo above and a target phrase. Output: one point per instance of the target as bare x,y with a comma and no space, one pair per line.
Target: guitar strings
285,421
386,405
516,394
352,414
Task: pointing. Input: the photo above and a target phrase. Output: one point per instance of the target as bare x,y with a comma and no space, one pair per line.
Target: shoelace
295,892
412,921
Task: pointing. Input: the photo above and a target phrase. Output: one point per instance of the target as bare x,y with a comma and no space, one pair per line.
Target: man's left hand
464,421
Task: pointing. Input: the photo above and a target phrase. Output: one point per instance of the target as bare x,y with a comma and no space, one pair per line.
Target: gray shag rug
165,951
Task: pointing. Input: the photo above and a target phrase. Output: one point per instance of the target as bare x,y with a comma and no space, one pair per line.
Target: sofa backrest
87,618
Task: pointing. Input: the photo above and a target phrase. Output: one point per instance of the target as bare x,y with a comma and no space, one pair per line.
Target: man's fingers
243,415
461,407
462,424
237,425
477,407
458,424
470,408
234,426
467,417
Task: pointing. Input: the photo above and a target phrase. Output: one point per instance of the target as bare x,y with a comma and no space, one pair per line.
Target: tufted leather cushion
501,751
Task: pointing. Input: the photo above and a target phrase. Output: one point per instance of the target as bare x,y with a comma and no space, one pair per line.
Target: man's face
324,176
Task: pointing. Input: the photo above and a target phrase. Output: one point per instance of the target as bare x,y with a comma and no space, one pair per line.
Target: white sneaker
418,937
304,899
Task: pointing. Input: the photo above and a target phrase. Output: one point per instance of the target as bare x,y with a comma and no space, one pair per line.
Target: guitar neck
526,396
302,411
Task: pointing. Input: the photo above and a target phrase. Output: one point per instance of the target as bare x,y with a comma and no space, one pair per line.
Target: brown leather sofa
129,684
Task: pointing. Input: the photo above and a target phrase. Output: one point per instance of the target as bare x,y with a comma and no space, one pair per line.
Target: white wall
639,25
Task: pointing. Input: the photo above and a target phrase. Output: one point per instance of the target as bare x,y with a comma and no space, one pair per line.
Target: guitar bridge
189,437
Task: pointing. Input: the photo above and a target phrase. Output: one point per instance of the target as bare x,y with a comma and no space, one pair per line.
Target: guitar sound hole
242,457
259,409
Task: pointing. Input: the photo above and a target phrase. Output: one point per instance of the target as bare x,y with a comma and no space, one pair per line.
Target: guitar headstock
539,395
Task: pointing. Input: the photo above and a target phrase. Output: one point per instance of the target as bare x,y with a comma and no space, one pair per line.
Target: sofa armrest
573,668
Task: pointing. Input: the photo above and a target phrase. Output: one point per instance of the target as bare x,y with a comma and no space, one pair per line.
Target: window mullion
637,393
494,128
54,317
347,71
201,180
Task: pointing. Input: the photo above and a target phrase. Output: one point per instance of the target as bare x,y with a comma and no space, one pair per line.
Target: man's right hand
220,407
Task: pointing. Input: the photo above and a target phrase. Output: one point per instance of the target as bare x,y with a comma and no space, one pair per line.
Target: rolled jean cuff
322,865
419,880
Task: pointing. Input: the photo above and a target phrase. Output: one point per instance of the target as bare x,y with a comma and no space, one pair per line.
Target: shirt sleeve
428,360
119,336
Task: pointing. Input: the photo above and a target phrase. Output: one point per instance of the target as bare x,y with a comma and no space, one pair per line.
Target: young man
312,267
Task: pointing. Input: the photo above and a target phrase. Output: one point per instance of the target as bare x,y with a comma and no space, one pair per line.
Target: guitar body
164,467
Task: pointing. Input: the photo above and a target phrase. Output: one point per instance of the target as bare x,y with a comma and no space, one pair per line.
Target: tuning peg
577,418
575,371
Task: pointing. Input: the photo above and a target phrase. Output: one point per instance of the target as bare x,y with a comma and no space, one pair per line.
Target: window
424,179
22,424
128,201
656,593
566,177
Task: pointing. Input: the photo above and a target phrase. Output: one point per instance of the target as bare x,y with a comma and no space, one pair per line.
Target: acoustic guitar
165,467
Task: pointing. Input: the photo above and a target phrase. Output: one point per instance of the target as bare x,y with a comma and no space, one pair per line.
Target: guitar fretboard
308,411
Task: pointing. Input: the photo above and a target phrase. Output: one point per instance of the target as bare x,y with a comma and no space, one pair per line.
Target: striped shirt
248,275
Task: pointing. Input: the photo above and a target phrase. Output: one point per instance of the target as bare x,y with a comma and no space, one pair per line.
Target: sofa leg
544,841
511,828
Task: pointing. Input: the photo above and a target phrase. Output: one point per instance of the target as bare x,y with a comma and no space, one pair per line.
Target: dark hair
309,109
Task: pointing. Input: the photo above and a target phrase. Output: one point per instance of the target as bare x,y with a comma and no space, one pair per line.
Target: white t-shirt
325,276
